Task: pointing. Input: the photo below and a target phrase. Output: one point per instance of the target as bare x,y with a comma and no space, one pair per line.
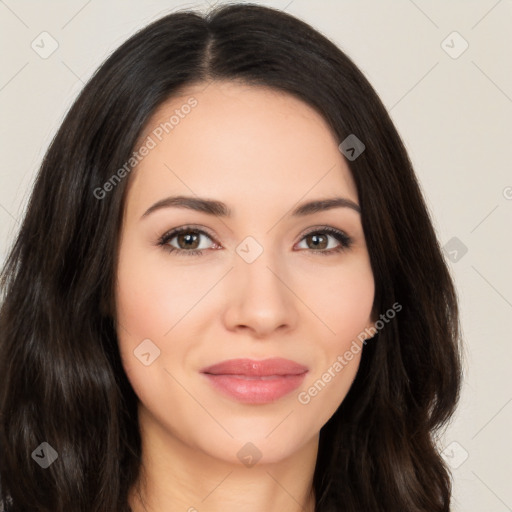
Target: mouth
255,382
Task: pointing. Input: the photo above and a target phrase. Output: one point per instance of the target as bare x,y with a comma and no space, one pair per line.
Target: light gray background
454,115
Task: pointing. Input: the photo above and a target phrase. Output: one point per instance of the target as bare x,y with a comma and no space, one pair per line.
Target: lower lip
256,390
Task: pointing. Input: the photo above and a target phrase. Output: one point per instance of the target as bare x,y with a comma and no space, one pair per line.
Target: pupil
316,241
189,238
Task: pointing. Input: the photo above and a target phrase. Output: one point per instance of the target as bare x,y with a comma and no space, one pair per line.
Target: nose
259,297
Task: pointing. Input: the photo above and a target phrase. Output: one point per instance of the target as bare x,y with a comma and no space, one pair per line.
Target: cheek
149,301
152,294
343,300
155,298
143,302
345,305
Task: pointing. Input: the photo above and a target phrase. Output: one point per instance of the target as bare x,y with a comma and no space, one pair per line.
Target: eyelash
345,240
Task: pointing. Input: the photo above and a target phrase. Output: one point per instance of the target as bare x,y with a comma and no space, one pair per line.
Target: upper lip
261,368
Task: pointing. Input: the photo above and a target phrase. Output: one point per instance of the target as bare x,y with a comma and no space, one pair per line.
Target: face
269,280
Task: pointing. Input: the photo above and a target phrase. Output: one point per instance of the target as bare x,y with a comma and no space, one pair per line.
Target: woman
170,340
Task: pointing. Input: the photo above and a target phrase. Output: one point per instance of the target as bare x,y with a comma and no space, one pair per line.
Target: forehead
234,142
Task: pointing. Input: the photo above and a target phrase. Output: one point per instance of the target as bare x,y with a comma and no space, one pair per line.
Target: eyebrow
218,208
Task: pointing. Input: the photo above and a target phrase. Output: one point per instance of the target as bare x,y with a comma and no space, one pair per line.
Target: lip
256,382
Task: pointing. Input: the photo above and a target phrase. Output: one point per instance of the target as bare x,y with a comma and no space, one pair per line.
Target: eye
319,240
188,240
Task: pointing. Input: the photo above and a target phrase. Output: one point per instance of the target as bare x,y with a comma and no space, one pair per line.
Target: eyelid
321,227
189,227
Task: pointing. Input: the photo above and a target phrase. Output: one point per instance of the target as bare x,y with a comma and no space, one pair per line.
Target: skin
262,152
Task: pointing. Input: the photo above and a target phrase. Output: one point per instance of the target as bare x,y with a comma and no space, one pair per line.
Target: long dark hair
61,377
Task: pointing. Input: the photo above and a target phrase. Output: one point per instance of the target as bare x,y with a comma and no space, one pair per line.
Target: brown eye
187,241
319,241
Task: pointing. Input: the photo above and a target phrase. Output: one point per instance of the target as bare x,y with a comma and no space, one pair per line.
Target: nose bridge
259,298
256,267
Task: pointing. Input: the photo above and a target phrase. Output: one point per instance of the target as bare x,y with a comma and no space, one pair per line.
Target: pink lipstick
256,382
